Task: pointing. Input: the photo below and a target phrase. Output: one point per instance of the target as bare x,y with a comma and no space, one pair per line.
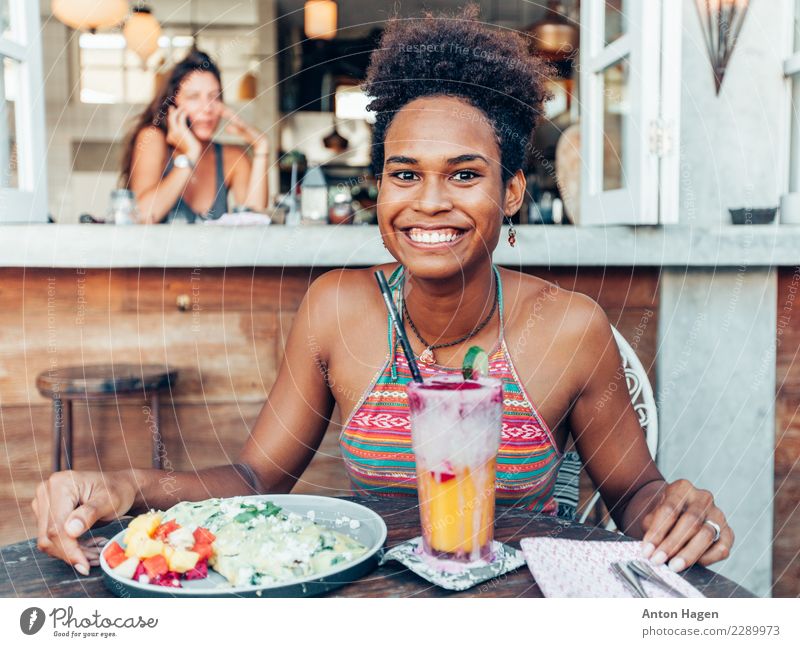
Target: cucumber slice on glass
476,363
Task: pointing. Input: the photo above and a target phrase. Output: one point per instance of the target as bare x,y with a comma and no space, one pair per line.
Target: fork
626,575
644,570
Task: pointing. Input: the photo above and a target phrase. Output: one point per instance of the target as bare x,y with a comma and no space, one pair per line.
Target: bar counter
181,245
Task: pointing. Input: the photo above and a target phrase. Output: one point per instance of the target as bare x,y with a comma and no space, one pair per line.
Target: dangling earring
512,233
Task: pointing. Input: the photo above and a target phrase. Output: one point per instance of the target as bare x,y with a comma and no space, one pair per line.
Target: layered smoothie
455,433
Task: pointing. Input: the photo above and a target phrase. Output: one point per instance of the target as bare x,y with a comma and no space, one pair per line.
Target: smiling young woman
456,103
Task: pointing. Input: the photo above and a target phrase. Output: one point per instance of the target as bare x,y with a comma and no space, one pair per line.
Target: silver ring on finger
716,528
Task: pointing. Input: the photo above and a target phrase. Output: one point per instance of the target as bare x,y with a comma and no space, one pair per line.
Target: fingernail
647,549
677,564
659,558
81,569
75,527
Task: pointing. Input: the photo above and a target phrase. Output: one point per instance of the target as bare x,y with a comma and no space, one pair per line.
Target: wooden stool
97,383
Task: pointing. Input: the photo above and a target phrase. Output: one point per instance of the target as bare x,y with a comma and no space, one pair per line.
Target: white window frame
652,46
28,201
791,117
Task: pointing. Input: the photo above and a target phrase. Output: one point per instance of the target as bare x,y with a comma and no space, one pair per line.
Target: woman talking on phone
171,163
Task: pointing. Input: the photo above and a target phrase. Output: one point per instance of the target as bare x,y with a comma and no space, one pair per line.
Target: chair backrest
644,404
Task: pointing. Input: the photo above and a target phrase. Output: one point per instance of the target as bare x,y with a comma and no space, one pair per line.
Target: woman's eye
465,176
405,176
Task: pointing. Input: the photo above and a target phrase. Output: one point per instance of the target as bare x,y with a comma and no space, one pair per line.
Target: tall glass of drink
455,433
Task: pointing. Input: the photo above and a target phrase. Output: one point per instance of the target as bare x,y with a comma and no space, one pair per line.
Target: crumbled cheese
311,515
182,538
355,524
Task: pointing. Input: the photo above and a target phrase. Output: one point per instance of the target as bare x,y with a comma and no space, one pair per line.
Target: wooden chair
644,404
99,383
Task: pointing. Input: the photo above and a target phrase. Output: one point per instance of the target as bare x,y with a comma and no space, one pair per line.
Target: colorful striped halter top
376,439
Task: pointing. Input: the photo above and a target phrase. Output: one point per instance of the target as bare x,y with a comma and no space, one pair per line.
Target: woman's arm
281,444
670,517
248,179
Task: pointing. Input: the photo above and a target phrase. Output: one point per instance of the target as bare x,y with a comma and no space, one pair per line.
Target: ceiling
355,16
361,15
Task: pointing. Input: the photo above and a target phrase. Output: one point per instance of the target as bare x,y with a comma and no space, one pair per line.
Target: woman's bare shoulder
346,298
151,137
566,312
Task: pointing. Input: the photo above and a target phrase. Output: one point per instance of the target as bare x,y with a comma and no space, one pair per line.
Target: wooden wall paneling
786,520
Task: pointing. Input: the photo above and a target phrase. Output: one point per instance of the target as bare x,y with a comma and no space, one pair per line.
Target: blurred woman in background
171,163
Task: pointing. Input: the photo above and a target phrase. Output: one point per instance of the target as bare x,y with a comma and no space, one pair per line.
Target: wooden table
26,572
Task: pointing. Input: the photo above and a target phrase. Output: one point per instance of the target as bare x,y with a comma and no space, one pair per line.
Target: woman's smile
434,238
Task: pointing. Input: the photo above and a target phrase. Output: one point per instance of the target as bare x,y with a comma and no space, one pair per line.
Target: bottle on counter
341,211
293,211
122,210
314,202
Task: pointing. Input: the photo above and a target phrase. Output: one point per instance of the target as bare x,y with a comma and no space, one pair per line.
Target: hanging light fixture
721,22
555,37
319,19
142,32
248,87
89,15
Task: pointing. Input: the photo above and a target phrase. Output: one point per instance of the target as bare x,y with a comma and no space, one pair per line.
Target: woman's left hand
676,530
238,127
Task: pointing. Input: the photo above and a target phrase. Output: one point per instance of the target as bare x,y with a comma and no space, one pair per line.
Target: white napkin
242,219
571,568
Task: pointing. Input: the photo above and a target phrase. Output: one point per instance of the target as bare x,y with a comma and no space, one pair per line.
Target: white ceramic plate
370,531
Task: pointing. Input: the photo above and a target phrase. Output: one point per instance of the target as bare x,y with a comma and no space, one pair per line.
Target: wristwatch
183,161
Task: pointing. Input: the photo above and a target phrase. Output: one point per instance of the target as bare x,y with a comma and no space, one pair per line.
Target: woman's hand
69,503
676,529
180,136
239,128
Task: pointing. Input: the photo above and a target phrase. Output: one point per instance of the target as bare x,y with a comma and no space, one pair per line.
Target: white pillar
716,402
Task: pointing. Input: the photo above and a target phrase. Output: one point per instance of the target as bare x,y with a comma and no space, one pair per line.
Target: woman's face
441,199
199,94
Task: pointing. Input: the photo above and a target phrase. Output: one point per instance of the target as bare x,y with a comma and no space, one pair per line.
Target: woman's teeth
433,236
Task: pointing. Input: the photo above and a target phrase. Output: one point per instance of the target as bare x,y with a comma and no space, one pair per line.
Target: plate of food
281,545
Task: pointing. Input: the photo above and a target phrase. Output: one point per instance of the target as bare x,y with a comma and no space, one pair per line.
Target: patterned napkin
455,576
570,568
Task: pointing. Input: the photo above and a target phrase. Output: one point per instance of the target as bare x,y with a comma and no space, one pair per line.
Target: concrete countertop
182,245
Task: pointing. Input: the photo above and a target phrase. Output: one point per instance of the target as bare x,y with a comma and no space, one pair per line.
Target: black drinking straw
398,326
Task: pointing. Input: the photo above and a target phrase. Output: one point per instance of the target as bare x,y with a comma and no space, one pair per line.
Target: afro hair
457,55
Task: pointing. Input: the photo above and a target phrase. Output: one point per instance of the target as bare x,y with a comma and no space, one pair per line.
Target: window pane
101,86
101,58
615,19
797,26
9,21
9,82
139,85
616,117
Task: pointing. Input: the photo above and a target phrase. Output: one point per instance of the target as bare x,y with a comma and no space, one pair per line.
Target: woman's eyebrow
468,157
401,159
460,159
